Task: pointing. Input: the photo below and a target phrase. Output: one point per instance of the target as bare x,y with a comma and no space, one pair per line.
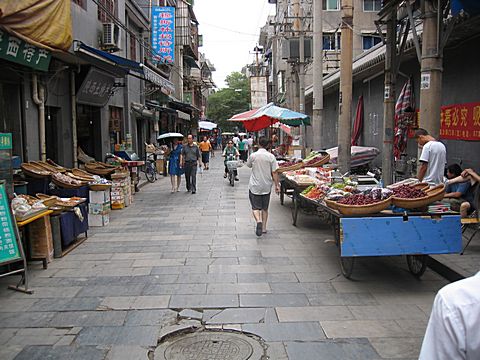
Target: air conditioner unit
111,35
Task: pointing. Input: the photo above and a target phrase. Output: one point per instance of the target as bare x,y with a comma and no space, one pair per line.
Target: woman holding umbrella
174,163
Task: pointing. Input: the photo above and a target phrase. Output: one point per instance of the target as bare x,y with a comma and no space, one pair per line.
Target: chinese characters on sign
5,141
8,243
96,89
163,34
18,51
460,122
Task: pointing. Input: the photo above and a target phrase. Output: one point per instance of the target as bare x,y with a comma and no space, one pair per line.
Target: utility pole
317,123
431,71
298,28
389,100
345,96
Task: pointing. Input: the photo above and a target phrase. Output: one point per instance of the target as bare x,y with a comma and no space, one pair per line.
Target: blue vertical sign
163,34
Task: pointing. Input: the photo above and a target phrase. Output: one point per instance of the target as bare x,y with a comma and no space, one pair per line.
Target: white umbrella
170,135
207,125
242,134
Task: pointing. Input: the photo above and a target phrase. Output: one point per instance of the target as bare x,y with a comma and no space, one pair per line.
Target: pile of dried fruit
408,192
357,199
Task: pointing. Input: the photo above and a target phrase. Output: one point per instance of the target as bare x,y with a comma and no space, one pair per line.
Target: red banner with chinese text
460,121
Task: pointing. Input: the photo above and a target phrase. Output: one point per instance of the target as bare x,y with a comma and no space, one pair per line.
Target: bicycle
232,166
150,168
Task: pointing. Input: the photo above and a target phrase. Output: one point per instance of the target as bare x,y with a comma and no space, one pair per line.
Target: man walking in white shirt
453,331
263,165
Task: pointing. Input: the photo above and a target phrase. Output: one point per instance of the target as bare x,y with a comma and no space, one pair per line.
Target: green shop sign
18,51
5,141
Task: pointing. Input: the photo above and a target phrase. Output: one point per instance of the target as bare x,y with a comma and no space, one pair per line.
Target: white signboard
258,91
425,81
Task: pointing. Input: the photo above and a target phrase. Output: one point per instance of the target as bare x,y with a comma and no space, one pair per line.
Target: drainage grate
209,346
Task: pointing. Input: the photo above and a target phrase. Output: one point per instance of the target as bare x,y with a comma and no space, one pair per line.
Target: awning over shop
142,110
190,61
154,77
183,115
178,105
102,58
43,23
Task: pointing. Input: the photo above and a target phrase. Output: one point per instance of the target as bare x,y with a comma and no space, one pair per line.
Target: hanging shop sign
460,121
163,34
18,51
188,97
96,89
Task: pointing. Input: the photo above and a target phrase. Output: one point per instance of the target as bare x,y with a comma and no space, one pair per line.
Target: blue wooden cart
415,235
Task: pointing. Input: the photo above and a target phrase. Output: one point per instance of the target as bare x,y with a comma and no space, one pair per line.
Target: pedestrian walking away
263,176
174,168
205,147
190,159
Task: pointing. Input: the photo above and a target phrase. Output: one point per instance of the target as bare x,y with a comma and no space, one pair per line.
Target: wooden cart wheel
346,264
417,264
294,210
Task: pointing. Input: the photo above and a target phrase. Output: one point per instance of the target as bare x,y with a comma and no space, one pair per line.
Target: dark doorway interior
89,130
52,123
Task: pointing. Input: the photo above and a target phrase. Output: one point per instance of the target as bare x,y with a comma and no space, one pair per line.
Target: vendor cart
413,234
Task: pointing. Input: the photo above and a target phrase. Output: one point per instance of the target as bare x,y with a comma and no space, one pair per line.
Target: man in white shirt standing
236,140
433,158
453,331
263,165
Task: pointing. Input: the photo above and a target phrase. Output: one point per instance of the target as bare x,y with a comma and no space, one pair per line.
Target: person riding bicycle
230,153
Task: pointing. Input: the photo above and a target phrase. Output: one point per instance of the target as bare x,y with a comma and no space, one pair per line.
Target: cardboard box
100,197
40,237
160,164
98,220
99,209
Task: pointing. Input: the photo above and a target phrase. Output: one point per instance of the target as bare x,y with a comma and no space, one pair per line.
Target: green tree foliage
226,102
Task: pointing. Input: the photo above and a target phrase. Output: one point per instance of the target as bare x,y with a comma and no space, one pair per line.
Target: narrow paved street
119,292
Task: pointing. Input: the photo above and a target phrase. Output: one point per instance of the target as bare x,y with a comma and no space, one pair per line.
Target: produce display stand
413,234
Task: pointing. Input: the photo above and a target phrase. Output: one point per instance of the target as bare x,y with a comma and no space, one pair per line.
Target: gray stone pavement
117,293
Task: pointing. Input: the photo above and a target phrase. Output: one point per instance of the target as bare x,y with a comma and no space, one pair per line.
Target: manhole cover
209,346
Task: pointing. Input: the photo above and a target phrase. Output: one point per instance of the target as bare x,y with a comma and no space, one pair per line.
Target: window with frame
331,41
372,5
81,3
106,10
331,5
133,48
369,41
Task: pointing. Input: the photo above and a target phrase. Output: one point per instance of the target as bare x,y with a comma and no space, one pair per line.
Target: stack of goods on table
121,194
293,164
313,160
99,207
